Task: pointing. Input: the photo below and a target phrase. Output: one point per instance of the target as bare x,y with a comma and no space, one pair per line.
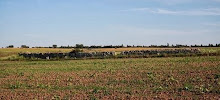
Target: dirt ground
141,78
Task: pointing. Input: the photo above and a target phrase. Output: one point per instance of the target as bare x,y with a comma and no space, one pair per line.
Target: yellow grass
121,49
5,52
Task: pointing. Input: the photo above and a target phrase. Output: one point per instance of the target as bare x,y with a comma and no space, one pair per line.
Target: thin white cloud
194,12
132,30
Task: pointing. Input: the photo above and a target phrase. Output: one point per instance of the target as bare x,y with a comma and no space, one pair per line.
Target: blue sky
106,22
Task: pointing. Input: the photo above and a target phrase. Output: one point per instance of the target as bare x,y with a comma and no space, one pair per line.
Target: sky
109,22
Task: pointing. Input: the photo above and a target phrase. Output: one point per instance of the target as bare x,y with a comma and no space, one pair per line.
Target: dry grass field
5,52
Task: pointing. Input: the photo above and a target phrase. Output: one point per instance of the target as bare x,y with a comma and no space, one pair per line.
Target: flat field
7,52
141,78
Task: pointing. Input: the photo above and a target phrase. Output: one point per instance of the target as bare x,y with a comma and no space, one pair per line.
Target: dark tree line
122,46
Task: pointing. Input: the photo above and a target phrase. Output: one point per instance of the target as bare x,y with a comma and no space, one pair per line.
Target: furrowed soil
151,78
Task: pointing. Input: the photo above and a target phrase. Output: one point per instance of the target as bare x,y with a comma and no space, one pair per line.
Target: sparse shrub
21,74
30,77
92,97
56,97
15,86
70,79
95,90
160,88
216,76
14,58
188,87
76,50
43,86
150,75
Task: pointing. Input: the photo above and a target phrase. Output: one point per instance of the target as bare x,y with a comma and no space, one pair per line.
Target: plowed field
150,78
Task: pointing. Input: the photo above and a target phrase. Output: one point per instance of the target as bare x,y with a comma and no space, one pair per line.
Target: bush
76,50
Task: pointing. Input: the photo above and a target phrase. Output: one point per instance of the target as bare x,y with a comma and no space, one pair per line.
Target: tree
10,46
79,46
24,46
54,46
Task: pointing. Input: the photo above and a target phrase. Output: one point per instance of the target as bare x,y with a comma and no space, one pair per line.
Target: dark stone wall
107,54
